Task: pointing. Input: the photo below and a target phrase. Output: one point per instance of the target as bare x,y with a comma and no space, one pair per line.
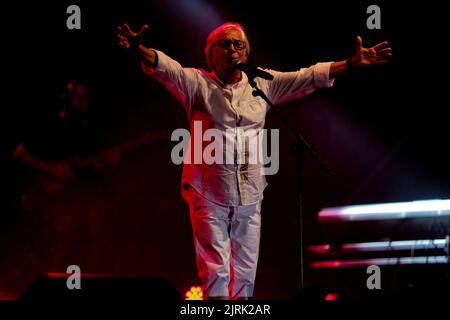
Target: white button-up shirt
233,111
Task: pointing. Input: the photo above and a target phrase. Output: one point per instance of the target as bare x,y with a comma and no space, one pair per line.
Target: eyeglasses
225,44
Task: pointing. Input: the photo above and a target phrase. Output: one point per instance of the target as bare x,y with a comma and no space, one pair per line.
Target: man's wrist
349,63
156,59
148,56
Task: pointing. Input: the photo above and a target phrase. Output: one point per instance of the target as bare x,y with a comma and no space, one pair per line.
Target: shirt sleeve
293,85
181,82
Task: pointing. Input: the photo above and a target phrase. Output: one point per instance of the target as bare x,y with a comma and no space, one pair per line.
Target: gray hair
212,38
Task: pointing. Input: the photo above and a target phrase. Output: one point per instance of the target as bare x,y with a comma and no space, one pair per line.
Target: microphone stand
298,148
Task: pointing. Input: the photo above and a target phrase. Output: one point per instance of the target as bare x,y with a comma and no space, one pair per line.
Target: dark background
383,132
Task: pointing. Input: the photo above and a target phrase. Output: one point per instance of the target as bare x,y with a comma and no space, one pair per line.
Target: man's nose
231,46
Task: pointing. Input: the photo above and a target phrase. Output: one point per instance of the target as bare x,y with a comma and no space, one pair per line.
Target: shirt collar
238,84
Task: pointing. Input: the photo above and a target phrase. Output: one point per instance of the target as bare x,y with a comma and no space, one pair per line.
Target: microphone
252,72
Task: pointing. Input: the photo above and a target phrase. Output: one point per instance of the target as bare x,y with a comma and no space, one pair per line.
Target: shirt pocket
254,110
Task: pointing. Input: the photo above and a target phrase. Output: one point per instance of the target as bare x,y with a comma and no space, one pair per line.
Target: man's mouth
232,60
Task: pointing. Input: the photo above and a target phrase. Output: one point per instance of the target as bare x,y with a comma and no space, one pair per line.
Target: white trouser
226,242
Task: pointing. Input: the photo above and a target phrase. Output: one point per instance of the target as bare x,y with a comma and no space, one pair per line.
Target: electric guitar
70,170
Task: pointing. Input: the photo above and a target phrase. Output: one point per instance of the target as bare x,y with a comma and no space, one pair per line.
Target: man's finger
121,38
143,29
358,43
384,51
121,32
380,45
380,61
127,29
384,56
124,44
